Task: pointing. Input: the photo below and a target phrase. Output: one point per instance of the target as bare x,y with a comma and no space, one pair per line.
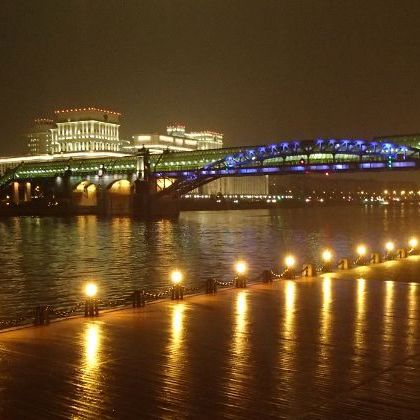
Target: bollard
211,286
267,276
42,315
361,261
343,264
91,307
139,298
402,253
375,258
288,274
308,270
326,268
177,292
240,281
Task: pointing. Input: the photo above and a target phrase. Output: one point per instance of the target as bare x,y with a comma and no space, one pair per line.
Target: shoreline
334,275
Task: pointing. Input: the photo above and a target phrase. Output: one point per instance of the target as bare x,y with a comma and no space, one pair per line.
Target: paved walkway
340,346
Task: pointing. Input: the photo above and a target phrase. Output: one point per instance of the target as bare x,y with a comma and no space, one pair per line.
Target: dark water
47,260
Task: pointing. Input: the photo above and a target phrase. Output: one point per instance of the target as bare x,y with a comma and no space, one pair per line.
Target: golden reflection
89,388
325,320
240,349
360,312
173,379
290,297
388,310
92,342
412,317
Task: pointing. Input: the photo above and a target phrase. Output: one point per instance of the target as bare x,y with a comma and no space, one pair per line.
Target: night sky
258,71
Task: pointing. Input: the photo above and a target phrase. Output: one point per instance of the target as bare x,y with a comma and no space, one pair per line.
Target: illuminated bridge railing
225,161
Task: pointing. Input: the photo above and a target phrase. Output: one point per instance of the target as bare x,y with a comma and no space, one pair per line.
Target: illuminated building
86,130
177,140
39,139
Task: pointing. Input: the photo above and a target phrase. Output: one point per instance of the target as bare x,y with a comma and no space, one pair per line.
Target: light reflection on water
46,260
239,355
174,385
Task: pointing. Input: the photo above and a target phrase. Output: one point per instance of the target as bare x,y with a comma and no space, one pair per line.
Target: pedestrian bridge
186,171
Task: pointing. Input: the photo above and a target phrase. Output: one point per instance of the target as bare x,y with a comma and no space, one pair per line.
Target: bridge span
149,185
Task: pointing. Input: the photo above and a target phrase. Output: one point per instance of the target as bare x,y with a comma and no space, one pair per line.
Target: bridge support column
27,192
15,193
147,203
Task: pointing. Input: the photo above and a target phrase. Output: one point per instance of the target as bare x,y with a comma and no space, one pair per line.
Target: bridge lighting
91,289
176,277
390,246
327,256
241,267
361,250
289,261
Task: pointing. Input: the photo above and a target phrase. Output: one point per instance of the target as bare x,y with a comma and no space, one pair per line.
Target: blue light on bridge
404,164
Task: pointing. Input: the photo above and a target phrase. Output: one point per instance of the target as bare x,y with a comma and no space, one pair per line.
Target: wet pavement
343,345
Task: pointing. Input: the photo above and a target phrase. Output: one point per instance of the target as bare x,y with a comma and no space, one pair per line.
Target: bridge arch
119,197
85,194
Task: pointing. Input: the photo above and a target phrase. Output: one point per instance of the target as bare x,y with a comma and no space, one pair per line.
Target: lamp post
361,251
413,244
327,256
177,291
241,269
389,251
289,262
91,303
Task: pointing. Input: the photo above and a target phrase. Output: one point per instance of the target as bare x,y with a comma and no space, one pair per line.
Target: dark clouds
256,70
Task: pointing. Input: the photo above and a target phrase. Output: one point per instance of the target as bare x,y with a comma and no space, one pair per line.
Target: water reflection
175,384
90,382
388,316
325,315
121,252
289,316
360,310
92,346
288,344
412,317
239,359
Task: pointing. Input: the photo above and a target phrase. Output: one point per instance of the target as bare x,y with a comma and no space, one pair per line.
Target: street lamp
413,243
241,268
327,256
91,303
361,252
389,248
177,290
289,262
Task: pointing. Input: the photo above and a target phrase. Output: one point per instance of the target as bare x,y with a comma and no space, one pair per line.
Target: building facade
86,130
178,140
39,139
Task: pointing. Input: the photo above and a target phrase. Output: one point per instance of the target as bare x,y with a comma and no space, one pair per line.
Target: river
48,260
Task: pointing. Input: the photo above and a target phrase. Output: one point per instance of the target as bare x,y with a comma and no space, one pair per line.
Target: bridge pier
147,204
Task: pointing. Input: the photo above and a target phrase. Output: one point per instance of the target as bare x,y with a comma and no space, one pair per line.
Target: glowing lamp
389,246
91,290
327,256
241,267
290,261
361,250
413,242
176,277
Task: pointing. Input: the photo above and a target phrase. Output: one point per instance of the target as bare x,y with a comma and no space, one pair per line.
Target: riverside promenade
342,345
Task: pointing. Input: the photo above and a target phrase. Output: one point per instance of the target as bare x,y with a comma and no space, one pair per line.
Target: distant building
412,140
177,140
86,130
39,139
